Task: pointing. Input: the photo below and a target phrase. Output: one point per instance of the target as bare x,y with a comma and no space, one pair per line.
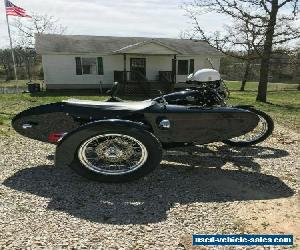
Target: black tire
148,141
171,145
264,136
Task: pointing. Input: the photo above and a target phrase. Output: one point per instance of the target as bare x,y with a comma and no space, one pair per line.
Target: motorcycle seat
128,106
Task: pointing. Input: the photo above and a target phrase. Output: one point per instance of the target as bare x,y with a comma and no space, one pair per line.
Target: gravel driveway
203,189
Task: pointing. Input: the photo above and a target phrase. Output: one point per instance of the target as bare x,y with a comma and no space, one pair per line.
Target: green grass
283,106
283,101
252,86
13,83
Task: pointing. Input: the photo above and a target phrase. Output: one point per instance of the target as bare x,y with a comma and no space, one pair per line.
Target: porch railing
134,76
135,83
165,76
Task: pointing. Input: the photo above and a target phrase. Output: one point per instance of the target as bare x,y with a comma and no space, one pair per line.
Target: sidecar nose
46,123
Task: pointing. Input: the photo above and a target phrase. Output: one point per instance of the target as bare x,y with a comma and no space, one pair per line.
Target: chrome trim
26,126
164,124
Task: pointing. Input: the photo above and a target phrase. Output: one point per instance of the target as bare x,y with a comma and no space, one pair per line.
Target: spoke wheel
256,133
112,154
260,133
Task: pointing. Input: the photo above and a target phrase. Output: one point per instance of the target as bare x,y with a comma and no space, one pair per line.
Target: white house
85,62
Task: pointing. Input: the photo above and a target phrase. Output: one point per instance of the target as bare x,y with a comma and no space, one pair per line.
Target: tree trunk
267,52
7,78
28,68
245,77
263,80
8,71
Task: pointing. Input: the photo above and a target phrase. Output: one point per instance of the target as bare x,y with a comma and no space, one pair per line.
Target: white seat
131,106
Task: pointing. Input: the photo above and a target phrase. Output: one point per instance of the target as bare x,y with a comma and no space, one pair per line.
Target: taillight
56,137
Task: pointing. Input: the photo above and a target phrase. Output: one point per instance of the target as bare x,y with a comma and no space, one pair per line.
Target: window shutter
100,65
192,66
78,66
174,73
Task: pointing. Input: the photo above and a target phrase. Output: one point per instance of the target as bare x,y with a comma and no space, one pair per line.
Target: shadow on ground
178,180
243,158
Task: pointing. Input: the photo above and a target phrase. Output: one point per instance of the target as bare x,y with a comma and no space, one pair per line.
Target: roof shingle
51,44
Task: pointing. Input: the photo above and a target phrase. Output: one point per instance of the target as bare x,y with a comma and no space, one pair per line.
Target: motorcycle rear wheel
260,133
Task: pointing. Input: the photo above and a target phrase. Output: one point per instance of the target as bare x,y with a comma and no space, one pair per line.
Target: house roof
144,43
76,44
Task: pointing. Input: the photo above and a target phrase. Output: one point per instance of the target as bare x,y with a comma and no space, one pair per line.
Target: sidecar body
169,123
113,134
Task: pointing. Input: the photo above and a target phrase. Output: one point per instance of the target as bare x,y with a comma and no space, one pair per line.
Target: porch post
125,70
174,68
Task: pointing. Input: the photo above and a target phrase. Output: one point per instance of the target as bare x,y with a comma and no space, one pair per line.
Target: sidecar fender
67,146
244,106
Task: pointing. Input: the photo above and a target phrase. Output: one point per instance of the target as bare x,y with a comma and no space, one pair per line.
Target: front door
138,69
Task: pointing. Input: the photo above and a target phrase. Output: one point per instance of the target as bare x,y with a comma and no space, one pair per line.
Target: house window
89,65
192,67
183,67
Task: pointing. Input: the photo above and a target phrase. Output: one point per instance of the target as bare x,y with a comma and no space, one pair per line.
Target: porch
148,68
136,83
145,80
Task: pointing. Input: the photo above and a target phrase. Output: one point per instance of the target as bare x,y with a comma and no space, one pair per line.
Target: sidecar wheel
263,130
117,156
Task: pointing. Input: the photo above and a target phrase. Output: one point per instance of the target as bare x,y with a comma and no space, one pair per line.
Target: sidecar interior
128,106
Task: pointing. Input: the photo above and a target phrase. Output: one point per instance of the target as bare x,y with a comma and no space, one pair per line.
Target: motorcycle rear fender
67,146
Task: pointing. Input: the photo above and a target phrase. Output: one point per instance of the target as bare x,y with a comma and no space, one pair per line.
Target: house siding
60,70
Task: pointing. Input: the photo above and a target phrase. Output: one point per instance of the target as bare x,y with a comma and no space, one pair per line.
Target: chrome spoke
112,154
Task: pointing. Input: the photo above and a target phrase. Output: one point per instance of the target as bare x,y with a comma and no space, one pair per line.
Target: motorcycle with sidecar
117,141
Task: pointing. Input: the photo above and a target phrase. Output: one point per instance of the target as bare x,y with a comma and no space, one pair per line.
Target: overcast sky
151,18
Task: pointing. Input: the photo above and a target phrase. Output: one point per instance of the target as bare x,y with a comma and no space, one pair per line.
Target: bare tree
27,58
236,41
296,66
6,63
271,23
38,24
25,34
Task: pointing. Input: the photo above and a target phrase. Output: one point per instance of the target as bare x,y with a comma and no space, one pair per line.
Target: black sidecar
121,141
